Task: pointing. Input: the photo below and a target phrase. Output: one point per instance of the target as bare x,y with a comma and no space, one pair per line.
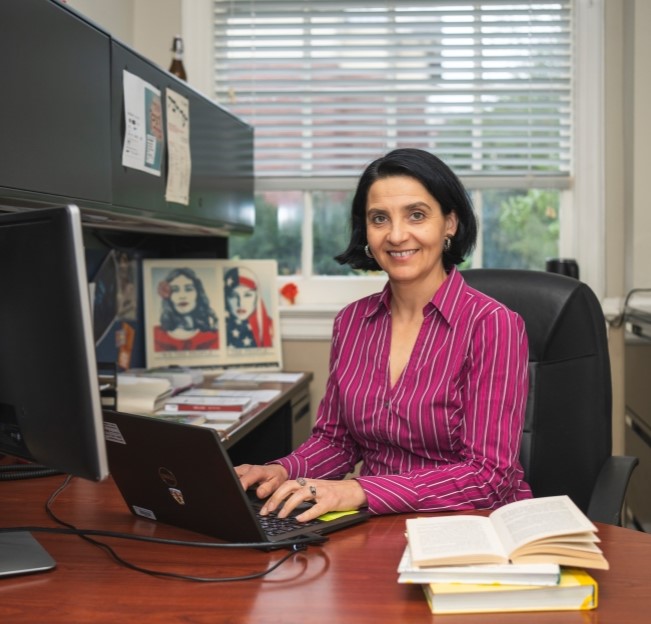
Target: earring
367,251
447,243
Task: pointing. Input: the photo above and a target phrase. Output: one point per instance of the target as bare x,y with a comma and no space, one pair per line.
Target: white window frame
582,215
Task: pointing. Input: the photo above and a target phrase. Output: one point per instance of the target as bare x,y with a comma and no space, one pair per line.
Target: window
330,85
489,86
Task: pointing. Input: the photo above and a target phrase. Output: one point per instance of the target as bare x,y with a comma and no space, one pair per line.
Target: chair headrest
561,314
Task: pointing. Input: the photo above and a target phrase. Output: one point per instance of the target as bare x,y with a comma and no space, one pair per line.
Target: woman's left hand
322,495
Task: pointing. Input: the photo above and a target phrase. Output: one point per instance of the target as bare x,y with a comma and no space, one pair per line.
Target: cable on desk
296,545
85,535
14,472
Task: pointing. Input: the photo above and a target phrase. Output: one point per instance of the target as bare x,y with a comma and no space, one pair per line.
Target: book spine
201,407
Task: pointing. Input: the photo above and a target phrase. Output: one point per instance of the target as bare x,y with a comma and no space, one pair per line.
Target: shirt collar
446,297
443,300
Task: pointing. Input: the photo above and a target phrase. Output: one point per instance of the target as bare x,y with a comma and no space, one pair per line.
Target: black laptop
181,475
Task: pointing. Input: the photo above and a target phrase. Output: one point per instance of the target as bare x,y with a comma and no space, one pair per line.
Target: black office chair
567,438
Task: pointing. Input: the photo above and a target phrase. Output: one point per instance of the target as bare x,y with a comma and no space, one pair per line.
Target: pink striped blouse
447,435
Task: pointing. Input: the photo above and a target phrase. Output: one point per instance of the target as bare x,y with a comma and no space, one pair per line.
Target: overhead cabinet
62,123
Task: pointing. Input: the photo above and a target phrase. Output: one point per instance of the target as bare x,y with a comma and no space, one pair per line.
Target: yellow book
576,591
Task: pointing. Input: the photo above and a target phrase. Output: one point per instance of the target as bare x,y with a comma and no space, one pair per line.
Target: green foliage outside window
331,232
270,240
520,230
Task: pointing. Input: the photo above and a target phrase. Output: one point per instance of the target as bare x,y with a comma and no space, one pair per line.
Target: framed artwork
211,313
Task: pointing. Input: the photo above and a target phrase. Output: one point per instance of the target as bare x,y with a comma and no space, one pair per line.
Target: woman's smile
402,254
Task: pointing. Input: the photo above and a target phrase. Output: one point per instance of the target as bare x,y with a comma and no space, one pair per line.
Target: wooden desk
352,578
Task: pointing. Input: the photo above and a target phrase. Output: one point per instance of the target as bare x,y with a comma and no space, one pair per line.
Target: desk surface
352,578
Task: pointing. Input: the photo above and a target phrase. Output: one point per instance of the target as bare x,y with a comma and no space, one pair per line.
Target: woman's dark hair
440,182
202,317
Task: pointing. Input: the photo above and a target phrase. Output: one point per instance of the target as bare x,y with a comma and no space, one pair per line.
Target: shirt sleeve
488,472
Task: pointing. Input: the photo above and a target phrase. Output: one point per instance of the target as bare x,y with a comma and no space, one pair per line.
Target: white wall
640,242
147,26
115,16
628,167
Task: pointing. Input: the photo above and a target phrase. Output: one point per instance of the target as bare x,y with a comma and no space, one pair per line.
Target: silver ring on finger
313,491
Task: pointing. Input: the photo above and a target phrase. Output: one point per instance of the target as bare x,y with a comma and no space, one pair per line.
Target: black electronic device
50,408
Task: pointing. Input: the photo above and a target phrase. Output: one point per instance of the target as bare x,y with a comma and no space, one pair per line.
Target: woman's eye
417,216
377,219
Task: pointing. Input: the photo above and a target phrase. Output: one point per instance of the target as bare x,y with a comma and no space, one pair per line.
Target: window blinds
330,85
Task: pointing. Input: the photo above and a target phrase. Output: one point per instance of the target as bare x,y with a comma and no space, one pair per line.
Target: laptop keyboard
273,525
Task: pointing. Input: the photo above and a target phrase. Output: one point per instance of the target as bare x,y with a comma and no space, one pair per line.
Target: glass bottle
177,68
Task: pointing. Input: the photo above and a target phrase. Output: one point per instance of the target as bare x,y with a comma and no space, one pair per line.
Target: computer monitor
50,406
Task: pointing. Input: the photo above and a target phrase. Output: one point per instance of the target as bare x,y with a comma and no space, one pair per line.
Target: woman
428,379
187,322
248,324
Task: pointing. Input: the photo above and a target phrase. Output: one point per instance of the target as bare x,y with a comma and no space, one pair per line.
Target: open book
491,573
539,530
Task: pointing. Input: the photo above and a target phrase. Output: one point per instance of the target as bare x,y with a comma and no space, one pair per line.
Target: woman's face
242,301
183,294
406,229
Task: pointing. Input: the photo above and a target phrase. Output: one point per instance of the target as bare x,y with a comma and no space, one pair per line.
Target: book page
453,538
525,521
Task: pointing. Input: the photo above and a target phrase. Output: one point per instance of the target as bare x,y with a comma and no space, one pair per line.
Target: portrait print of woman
187,320
248,324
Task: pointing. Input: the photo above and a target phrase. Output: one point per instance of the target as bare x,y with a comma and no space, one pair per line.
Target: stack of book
219,409
145,391
180,377
142,395
530,555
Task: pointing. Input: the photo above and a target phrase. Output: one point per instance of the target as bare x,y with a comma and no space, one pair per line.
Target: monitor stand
20,553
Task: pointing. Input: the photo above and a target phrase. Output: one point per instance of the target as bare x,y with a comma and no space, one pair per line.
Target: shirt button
386,404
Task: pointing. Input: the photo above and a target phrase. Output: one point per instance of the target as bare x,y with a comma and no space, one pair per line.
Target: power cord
295,545
14,472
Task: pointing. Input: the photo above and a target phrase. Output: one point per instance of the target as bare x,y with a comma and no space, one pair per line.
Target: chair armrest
609,491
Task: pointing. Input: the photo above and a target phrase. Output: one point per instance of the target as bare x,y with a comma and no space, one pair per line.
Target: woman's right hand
268,478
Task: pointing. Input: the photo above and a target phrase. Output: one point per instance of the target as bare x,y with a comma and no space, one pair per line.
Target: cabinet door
638,498
54,109
221,150
637,441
